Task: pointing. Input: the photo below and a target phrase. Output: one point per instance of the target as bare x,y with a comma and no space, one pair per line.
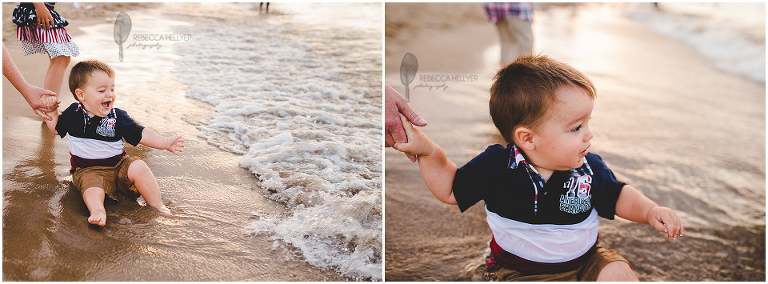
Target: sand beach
223,214
671,118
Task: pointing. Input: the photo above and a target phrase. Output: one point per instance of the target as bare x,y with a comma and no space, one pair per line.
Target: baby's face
562,139
98,95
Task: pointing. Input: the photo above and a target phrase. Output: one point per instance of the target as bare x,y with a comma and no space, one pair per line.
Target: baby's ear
79,94
523,138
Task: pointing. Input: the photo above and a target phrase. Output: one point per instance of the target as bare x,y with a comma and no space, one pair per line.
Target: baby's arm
436,170
51,102
151,139
634,206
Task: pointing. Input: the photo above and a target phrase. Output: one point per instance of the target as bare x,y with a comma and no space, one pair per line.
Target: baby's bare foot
98,218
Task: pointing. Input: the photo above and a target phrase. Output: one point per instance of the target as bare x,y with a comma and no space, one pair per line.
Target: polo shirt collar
86,117
516,158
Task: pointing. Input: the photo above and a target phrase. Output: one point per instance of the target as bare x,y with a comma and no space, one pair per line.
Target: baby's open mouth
106,104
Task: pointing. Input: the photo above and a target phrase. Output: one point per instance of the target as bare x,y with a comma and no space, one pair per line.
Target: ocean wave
732,34
307,129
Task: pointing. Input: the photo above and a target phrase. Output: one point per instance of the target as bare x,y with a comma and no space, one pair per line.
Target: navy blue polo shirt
510,193
97,141
71,122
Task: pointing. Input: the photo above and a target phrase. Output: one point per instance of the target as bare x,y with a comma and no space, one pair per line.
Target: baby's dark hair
524,90
81,72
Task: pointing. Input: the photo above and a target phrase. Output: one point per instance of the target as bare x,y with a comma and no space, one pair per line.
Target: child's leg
617,271
54,77
142,177
94,200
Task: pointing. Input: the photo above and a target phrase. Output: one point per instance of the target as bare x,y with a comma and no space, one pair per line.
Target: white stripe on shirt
544,242
88,148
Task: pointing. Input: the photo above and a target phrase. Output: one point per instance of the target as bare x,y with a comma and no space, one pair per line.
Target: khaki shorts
588,271
114,180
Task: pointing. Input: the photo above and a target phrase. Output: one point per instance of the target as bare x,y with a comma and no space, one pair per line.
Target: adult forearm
438,173
11,72
633,205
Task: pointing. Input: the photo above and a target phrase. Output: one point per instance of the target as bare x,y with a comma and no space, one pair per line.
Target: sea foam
731,34
302,105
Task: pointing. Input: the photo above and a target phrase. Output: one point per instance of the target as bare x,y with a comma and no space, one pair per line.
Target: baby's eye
576,129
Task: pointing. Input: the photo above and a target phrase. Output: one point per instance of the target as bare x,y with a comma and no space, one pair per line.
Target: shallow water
212,198
732,34
306,120
664,121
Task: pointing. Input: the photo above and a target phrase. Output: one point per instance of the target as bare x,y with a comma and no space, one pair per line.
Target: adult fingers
389,141
42,114
49,93
411,114
411,157
395,127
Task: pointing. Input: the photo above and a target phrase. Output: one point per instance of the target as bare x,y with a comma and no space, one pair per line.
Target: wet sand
664,121
45,233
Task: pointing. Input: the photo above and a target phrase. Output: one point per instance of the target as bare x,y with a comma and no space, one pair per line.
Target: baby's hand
666,221
51,103
418,143
175,145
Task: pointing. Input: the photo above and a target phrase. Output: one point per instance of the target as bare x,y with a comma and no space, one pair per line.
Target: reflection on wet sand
35,201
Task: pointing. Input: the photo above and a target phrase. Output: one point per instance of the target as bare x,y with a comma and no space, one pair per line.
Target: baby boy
544,191
95,130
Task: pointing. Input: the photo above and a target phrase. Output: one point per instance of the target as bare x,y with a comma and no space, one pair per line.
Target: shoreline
211,197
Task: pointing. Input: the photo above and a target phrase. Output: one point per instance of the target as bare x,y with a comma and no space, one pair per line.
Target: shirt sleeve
65,120
607,195
474,178
130,130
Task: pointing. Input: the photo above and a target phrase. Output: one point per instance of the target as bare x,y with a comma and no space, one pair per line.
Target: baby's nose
588,135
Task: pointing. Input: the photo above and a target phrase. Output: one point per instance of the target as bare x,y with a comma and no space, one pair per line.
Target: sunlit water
732,34
297,93
243,210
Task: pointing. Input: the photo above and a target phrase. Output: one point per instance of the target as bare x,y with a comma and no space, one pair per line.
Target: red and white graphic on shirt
577,199
107,127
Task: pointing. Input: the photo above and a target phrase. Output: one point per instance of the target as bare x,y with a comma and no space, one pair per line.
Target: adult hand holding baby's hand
41,100
50,102
395,106
666,221
175,145
418,144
